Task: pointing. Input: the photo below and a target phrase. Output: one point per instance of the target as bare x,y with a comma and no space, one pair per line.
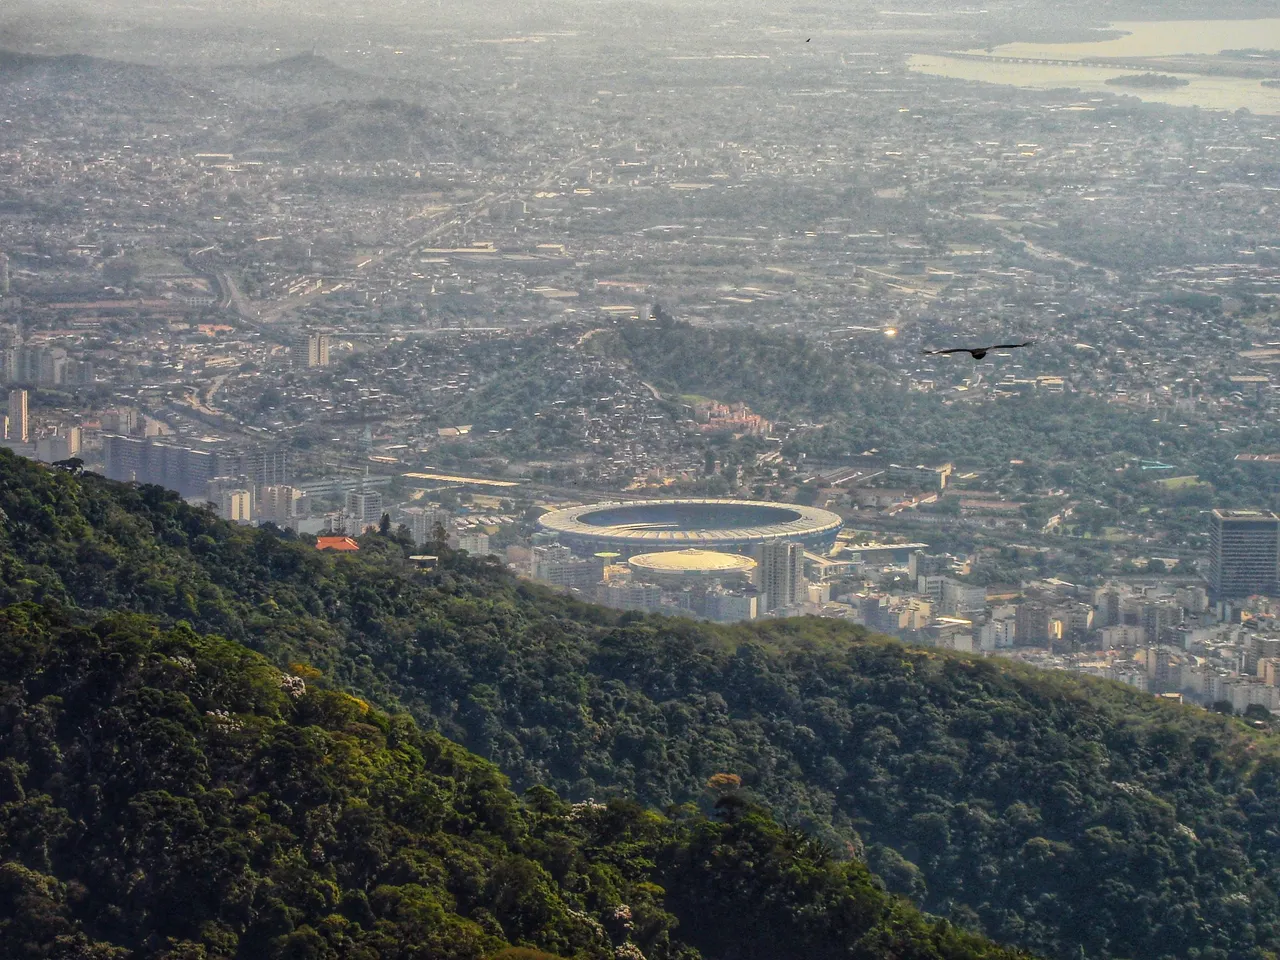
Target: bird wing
949,350
1011,346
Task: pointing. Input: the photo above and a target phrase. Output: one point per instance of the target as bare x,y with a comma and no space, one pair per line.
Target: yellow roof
692,561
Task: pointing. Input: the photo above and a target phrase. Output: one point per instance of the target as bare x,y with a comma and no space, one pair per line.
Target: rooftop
693,561
345,544
1245,515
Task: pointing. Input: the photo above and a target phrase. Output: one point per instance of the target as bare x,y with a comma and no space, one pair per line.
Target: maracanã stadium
648,526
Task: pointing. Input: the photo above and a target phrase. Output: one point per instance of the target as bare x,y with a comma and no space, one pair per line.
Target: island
1148,81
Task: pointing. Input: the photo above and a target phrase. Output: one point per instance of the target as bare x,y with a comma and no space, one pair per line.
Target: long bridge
1045,62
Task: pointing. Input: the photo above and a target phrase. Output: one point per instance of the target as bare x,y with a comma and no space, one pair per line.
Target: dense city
334,287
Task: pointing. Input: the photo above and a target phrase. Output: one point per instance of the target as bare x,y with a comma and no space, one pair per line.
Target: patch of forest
1055,812
165,794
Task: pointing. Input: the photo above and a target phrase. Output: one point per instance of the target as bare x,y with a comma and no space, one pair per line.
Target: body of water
1141,39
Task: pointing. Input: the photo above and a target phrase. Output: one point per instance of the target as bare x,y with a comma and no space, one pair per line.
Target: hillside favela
650,480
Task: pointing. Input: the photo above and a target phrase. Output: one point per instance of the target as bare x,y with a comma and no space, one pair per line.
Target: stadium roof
695,523
693,561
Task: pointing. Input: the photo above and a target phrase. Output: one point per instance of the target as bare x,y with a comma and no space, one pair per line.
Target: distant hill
305,106
77,78
307,77
1070,816
307,65
42,96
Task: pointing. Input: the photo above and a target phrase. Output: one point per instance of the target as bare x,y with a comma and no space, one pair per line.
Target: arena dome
690,565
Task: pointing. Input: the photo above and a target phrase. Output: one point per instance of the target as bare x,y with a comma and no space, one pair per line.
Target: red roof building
345,544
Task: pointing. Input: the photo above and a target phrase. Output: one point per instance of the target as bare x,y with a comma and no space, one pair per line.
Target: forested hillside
165,794
1067,816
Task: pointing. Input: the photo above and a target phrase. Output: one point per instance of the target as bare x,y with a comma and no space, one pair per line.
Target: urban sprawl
284,292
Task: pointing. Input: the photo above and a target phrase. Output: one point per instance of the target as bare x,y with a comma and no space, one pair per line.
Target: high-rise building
310,350
1031,624
1244,553
237,506
19,428
780,574
425,522
1159,617
921,564
125,458
78,373
60,445
476,543
264,466
279,504
126,421
1193,599
959,597
1107,602
217,489
364,508
44,366
188,470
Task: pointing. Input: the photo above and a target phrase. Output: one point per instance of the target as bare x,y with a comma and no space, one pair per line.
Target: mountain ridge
1035,806
169,795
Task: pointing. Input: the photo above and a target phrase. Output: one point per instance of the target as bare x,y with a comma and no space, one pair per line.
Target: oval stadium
649,526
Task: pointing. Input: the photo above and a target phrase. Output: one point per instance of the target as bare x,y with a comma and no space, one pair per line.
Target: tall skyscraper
780,574
1244,553
19,426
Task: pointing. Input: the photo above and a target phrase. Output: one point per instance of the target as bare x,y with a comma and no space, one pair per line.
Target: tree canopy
165,794
1059,813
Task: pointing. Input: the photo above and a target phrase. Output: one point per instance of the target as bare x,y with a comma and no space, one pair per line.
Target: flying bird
979,352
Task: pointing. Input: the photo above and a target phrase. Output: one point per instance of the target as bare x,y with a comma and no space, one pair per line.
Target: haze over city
953,324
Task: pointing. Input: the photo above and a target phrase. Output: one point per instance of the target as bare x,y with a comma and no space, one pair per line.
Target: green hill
1061,814
852,393
170,795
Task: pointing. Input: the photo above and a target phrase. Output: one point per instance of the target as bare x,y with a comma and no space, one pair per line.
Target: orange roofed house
344,544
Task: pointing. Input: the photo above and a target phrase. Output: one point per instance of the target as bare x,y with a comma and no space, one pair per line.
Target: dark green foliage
1056,813
169,795
777,373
